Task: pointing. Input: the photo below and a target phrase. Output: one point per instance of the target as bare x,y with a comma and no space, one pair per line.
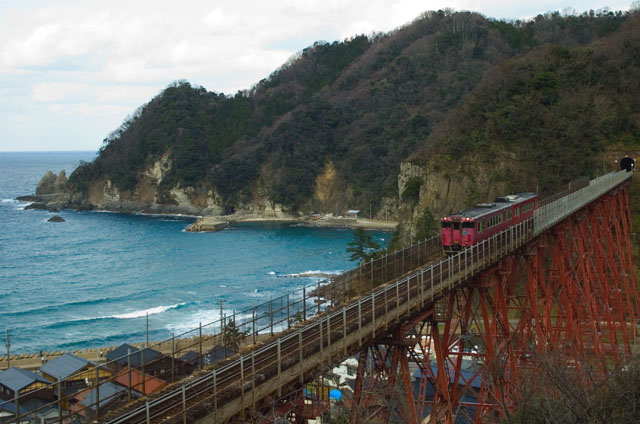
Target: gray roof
17,379
119,355
109,392
28,406
216,354
64,366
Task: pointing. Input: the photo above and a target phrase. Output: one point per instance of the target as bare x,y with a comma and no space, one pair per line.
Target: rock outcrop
47,184
56,218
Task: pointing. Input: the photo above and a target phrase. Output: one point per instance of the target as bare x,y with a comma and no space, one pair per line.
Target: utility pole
221,317
8,349
147,329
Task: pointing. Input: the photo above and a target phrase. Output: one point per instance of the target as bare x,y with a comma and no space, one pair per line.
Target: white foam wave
312,274
210,320
144,312
271,273
192,323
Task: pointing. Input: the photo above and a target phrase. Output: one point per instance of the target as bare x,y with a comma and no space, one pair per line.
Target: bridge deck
239,385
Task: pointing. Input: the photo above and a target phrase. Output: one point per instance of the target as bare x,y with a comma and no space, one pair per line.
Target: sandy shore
216,223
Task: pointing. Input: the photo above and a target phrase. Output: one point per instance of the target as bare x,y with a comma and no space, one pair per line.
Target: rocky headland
54,193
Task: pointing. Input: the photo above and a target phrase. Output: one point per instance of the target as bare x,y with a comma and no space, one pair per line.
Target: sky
71,71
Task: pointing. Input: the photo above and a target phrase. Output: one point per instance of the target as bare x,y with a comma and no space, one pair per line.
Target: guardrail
314,341
246,326
295,355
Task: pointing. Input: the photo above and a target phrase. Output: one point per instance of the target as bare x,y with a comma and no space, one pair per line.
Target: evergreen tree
363,247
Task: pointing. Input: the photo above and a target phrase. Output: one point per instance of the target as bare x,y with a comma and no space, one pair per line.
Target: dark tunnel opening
627,164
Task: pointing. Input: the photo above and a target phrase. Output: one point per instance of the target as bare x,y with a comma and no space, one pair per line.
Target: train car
471,226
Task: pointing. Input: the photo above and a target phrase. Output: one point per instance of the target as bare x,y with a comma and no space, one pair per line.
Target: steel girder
571,292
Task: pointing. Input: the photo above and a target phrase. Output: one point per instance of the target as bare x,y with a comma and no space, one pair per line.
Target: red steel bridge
561,282
471,324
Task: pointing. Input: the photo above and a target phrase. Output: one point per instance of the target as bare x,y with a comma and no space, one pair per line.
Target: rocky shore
53,194
217,223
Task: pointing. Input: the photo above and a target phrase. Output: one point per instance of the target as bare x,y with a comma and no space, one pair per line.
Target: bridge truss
569,292
473,324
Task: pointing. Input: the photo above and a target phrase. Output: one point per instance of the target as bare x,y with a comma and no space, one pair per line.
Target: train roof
500,203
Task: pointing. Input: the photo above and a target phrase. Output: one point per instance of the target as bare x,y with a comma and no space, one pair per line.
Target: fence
253,324
192,350
334,334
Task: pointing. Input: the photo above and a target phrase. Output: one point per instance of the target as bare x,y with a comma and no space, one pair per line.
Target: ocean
92,280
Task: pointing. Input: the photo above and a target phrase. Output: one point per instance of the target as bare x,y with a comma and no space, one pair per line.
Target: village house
134,379
149,361
75,374
25,383
109,396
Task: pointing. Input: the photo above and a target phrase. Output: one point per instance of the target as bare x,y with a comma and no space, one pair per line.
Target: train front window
467,225
456,225
446,224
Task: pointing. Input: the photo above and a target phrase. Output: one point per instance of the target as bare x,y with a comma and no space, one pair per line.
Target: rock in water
56,218
47,184
61,182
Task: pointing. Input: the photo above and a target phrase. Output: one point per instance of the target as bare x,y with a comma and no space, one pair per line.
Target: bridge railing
553,212
191,350
284,312
360,320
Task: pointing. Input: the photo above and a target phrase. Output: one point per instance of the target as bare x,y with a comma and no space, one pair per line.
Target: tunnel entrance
627,164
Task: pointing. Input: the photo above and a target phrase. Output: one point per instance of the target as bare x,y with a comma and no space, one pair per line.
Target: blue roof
119,355
64,366
108,393
28,406
17,379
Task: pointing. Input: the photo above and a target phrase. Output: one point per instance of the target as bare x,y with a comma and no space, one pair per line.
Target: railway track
239,386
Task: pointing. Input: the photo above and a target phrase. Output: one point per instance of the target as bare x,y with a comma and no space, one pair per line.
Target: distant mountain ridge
330,130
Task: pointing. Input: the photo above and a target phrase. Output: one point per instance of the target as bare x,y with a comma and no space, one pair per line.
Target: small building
352,213
127,355
26,384
150,361
74,372
215,354
109,395
33,411
142,383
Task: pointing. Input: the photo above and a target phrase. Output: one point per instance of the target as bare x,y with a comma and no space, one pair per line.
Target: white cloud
109,57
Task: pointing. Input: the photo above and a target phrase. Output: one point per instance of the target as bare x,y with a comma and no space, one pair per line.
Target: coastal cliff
446,111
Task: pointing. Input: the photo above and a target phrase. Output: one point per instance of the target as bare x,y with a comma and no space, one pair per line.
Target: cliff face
447,111
533,123
444,188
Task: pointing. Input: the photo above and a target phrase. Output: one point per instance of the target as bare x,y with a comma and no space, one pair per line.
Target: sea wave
149,311
72,323
67,305
134,314
311,274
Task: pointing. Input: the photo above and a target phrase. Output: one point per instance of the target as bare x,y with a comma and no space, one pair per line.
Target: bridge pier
569,294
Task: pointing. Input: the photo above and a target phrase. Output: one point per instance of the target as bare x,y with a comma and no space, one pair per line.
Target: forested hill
329,130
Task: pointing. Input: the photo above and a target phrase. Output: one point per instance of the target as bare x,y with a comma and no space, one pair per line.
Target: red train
471,226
